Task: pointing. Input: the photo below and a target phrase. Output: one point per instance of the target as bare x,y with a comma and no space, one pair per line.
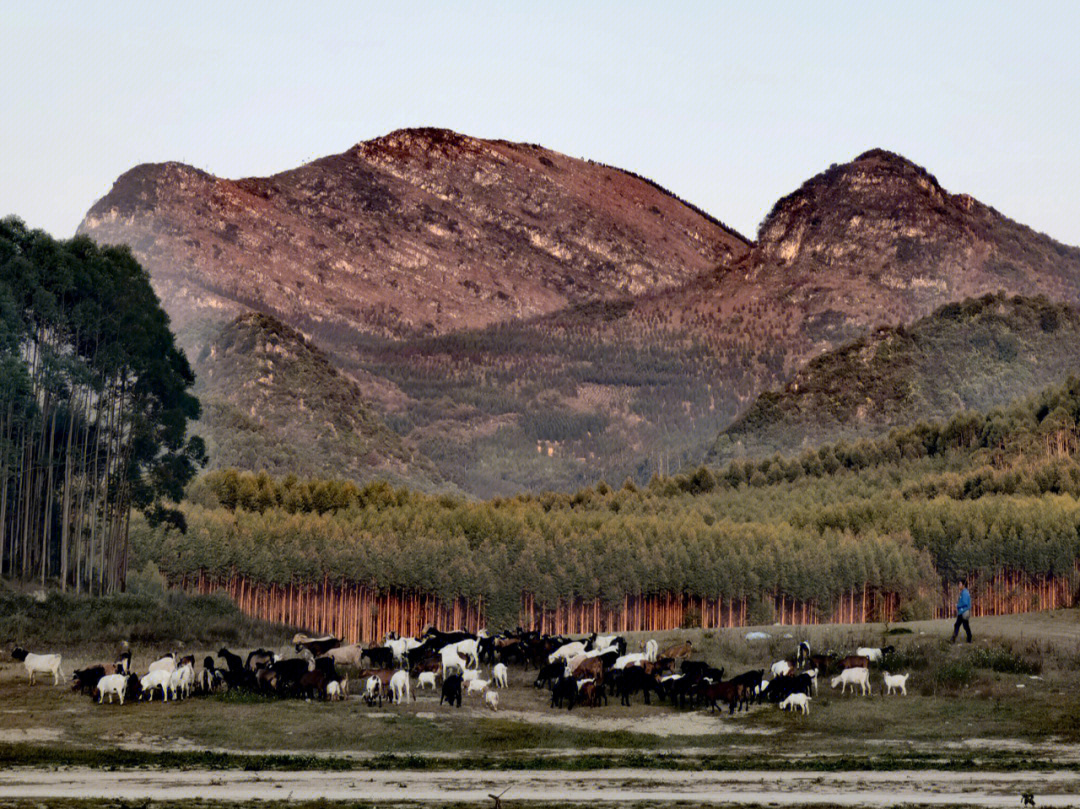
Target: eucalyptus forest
94,410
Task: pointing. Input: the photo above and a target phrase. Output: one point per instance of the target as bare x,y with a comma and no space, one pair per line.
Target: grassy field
1010,699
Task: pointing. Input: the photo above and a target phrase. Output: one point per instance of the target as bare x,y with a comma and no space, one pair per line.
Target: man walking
963,612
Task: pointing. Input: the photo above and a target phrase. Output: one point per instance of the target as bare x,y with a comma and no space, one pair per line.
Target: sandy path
618,785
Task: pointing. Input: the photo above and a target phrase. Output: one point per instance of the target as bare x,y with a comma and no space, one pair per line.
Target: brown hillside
422,231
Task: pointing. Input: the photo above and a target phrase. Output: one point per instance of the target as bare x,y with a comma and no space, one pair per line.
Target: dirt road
926,788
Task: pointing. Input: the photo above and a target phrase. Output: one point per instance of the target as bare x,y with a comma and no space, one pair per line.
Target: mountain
976,355
273,401
423,231
528,320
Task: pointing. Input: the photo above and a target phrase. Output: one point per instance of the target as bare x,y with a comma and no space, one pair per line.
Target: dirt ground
984,741
595,787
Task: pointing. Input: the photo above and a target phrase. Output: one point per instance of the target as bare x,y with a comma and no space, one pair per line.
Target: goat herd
576,672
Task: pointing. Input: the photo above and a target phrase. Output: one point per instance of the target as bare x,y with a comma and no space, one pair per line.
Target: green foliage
94,408
874,513
152,617
973,355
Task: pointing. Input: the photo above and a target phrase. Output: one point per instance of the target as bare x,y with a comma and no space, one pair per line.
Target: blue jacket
963,604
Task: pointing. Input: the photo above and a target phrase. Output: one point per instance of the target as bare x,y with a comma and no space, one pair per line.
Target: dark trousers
961,622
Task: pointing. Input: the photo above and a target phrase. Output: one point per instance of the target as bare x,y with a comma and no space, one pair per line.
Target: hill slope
272,401
533,321
979,354
421,231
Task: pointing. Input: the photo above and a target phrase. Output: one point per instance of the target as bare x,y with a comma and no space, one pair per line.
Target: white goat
372,689
652,649
858,676
796,701
166,663
896,681
39,664
399,687
336,689
501,675
112,684
812,674
477,686
452,661
426,678
632,659
154,680
761,688
870,653
469,649
567,651
181,680
780,668
491,699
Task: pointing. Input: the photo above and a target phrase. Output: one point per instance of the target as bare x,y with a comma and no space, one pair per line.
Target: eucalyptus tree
95,405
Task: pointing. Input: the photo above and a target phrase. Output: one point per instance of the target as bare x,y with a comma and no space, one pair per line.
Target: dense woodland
904,515
94,409
974,355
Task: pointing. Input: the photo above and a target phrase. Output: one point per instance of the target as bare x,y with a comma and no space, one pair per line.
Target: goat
373,690
232,661
469,650
796,701
164,663
500,675
451,690
870,653
336,689
478,686
86,680
399,687
426,678
209,677
633,679
154,680
678,651
632,659
451,660
39,664
289,673
731,693
859,676
432,664
786,684
780,668
812,674
896,681
855,662
751,681
111,684
181,680
380,657
651,649
317,646
314,684
469,675
591,692
491,699
346,655
802,654
565,690
567,651
260,659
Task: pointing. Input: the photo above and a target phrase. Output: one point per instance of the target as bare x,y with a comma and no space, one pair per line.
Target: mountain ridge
591,324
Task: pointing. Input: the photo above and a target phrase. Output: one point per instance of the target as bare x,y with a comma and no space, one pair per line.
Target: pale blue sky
730,106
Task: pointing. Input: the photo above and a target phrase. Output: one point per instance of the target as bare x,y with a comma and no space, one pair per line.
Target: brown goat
678,651
855,662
